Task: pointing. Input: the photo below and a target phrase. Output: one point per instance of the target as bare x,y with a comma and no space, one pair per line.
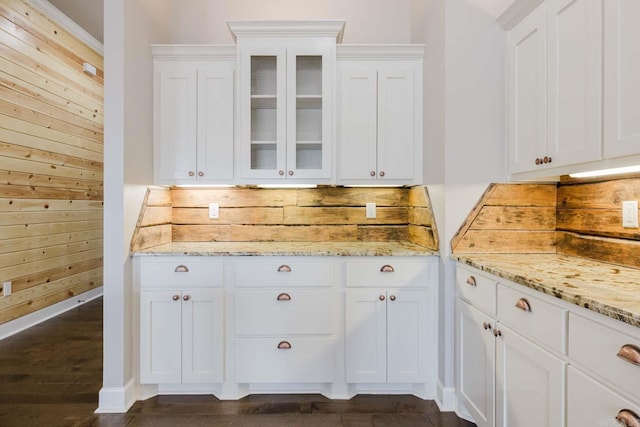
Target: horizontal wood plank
423,236
158,196
147,237
507,241
515,218
598,195
421,216
156,215
343,215
8,177
47,193
14,218
48,228
597,222
201,233
232,197
522,195
44,253
47,240
419,197
228,216
8,273
35,205
41,168
614,251
32,280
333,196
382,233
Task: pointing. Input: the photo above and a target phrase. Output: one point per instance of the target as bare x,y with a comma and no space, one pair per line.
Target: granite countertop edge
556,290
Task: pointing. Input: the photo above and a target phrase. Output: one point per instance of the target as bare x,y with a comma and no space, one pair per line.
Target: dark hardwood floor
50,375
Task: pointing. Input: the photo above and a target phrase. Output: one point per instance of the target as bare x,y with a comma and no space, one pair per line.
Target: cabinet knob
290,173
630,353
181,269
382,173
387,269
186,297
545,160
471,281
523,304
284,297
175,297
281,172
381,297
284,345
200,173
284,268
486,325
372,173
191,173
628,418
497,333
537,162
392,297
549,159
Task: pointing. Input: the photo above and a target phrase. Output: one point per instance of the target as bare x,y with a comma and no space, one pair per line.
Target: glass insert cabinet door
285,129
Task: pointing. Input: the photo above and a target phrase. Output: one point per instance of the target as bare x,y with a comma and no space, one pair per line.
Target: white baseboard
117,400
445,397
32,319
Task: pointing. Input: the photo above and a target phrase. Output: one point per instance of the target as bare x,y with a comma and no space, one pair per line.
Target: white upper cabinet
555,86
380,114
285,99
193,114
621,78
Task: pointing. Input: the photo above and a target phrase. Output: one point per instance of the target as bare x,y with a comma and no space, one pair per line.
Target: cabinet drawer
477,289
387,272
589,403
285,312
283,272
596,347
535,318
178,271
307,360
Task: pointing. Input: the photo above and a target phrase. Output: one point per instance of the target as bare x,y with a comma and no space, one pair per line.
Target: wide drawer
283,272
591,404
285,312
385,272
596,347
178,271
284,360
477,289
533,317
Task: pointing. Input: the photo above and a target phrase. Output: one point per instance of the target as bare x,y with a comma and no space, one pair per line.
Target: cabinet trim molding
382,51
182,52
325,28
517,12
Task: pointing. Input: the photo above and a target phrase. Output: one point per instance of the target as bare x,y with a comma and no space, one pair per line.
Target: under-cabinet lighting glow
287,186
602,172
204,186
373,186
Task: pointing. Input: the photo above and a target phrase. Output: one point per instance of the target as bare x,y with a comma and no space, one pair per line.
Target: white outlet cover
6,286
630,214
371,210
214,210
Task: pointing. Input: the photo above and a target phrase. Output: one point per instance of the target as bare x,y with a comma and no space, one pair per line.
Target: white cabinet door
591,404
366,348
527,53
574,32
202,336
621,78
407,334
160,337
529,383
215,122
176,95
476,363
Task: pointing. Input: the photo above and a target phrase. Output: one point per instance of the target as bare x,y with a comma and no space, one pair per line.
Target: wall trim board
117,400
25,322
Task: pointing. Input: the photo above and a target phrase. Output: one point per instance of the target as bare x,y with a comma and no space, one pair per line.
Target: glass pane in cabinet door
264,106
309,112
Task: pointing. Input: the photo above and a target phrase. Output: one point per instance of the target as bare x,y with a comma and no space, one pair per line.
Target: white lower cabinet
181,336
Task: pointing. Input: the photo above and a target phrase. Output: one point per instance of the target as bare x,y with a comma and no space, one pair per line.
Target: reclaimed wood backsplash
51,162
294,215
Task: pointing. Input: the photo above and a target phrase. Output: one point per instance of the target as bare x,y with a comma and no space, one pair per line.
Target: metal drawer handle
284,345
471,281
181,269
284,269
387,269
175,297
630,353
628,418
284,297
523,304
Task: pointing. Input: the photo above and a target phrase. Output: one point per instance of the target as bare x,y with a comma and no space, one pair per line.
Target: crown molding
517,12
68,24
193,51
321,28
379,51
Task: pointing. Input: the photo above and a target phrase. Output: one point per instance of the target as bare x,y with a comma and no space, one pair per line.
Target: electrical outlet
630,214
214,210
6,289
371,210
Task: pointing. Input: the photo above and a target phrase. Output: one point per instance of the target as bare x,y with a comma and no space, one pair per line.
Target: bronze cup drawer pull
284,268
523,304
284,345
471,281
630,353
181,269
284,297
387,269
175,297
628,418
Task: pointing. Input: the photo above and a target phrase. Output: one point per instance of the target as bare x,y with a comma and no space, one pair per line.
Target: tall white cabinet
193,114
286,95
380,114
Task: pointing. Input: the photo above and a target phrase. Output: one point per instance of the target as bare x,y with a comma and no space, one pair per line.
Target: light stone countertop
288,249
607,289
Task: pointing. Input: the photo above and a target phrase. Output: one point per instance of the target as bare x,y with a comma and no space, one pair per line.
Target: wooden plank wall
589,220
295,215
51,162
510,218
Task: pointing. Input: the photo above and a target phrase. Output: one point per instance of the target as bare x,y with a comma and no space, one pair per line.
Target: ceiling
89,14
